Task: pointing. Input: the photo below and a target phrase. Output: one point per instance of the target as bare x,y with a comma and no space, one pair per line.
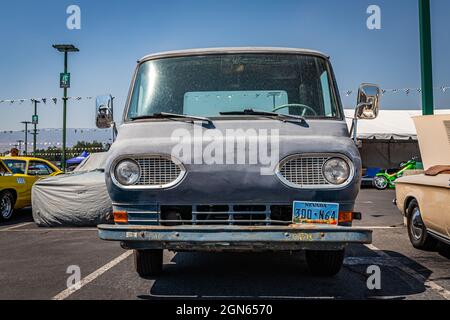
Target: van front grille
158,171
245,215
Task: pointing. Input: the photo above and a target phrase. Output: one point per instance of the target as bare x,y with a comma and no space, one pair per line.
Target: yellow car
17,176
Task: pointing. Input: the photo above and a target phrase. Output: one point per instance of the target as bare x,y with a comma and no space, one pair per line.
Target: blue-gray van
235,149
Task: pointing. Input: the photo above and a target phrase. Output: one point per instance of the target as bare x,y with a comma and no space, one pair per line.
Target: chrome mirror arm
354,128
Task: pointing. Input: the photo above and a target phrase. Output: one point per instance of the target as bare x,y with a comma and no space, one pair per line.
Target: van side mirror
104,112
368,104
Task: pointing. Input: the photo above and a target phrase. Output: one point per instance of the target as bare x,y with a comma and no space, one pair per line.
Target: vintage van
235,149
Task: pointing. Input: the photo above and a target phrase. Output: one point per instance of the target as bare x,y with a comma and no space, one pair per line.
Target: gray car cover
76,199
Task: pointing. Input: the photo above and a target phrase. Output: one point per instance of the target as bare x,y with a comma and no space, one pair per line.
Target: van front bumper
235,238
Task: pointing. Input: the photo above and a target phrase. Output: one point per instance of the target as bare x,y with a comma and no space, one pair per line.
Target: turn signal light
120,217
345,217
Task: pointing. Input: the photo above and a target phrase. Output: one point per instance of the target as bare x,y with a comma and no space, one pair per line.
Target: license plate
315,213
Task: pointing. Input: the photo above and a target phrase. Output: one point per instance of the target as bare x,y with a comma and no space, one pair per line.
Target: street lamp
65,84
26,123
35,121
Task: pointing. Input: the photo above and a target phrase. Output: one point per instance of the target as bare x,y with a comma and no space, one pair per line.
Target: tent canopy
390,124
79,159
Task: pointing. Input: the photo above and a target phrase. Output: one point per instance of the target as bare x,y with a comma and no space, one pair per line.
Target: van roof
230,50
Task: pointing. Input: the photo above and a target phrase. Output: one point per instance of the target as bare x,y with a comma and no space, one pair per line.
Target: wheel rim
380,182
6,206
416,224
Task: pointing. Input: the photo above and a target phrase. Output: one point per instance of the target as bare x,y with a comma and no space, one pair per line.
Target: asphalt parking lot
34,261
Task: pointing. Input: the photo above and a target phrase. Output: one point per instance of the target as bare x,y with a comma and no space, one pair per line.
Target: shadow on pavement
282,276
20,216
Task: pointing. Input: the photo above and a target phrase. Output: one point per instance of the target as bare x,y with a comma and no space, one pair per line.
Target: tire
325,263
417,231
148,262
7,202
380,183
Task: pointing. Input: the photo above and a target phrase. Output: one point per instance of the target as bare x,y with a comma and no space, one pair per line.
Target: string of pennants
60,144
43,100
76,131
406,91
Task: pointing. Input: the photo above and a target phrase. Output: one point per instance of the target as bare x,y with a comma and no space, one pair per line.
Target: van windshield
210,84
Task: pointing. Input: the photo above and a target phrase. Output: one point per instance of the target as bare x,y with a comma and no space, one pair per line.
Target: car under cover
76,199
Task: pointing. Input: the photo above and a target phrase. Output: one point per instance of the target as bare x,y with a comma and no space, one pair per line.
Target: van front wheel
325,263
148,262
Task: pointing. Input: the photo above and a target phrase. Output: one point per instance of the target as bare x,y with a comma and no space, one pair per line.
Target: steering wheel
297,105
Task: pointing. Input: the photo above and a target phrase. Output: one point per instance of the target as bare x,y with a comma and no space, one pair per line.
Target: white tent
390,124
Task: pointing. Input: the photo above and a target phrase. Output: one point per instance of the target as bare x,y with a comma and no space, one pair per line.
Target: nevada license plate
315,213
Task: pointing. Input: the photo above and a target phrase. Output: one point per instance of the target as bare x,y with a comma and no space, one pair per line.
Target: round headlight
336,171
127,172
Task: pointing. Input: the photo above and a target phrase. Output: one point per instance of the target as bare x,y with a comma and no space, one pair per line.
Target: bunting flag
43,100
86,130
406,91
347,93
68,148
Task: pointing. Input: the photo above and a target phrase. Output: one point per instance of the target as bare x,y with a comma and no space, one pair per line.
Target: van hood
233,182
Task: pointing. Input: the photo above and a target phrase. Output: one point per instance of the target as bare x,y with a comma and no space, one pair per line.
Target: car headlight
336,171
127,172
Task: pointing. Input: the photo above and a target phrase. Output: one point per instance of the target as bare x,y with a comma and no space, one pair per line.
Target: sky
114,34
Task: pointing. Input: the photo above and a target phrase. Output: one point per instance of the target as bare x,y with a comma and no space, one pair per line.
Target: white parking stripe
428,283
97,273
16,226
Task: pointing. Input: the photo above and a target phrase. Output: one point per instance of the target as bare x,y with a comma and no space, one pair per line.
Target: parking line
16,226
428,283
94,275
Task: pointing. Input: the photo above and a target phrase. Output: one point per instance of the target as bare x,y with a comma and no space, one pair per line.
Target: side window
16,166
326,94
36,168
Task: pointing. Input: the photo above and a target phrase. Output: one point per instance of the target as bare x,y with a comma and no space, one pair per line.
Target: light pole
35,121
65,84
26,123
426,57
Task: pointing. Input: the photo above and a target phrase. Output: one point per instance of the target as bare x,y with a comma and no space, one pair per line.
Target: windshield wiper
251,112
166,115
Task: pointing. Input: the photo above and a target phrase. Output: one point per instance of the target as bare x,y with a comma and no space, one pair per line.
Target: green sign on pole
64,80
35,119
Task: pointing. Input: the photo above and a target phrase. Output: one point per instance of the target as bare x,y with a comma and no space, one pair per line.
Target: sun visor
433,133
